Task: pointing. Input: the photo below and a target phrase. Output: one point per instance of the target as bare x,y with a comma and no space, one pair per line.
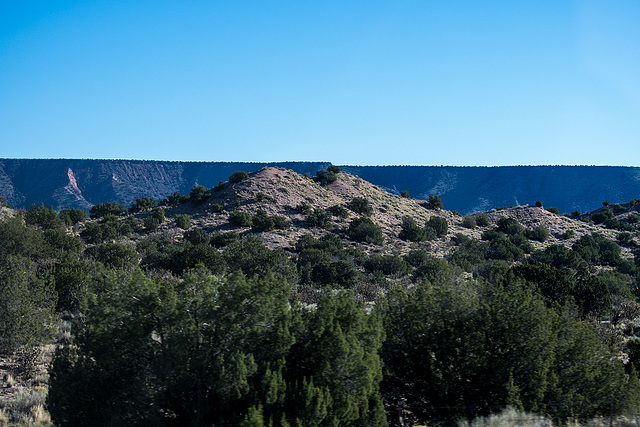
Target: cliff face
63,183
473,189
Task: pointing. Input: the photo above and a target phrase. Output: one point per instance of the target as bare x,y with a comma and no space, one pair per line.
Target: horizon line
312,161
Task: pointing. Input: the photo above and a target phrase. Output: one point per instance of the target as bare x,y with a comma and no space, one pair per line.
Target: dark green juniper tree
206,351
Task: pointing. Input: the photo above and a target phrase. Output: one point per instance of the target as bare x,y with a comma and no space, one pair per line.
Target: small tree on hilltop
554,210
434,202
326,177
238,176
405,194
617,208
176,199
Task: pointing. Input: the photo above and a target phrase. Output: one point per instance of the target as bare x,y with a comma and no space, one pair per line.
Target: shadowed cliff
66,183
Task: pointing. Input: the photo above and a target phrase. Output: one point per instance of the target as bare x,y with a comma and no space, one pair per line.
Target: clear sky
351,82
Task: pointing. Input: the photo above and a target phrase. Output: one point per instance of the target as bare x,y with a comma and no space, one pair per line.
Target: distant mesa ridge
77,183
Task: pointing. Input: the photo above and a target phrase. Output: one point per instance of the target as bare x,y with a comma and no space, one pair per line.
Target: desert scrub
509,417
262,222
387,265
197,237
261,197
361,205
538,233
437,225
554,210
303,207
339,211
633,218
410,230
617,208
151,223
626,238
482,220
362,229
469,222
238,176
319,218
25,409
183,221
240,219
280,222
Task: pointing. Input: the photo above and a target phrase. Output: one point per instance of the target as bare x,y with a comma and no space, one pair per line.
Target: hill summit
310,206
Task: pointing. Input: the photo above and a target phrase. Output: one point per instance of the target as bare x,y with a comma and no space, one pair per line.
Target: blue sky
350,82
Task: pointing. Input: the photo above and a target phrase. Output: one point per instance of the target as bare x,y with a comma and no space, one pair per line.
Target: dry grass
23,392
511,417
25,408
40,415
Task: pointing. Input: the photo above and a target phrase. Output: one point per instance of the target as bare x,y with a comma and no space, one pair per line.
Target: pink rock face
72,187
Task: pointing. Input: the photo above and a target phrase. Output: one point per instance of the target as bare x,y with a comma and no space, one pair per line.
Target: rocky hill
282,192
66,183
